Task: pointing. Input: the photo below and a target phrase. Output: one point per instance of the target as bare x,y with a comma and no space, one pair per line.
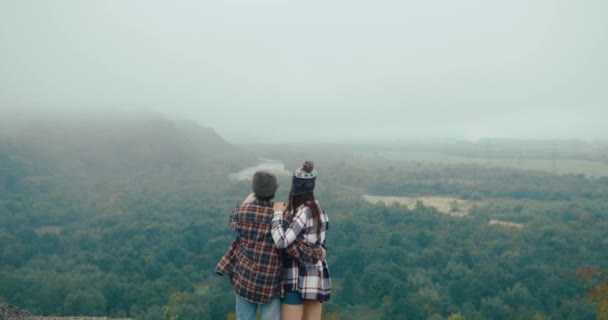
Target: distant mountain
110,146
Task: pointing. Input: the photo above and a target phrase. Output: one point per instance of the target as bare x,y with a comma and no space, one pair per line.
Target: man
253,262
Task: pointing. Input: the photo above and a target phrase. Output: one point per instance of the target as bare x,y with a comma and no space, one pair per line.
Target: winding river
276,167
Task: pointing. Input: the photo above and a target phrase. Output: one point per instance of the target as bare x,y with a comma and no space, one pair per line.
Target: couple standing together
277,261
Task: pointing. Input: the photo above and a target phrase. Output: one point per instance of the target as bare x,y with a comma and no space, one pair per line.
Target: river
276,167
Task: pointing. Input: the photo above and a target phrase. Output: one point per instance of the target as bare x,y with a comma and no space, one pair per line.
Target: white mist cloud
274,70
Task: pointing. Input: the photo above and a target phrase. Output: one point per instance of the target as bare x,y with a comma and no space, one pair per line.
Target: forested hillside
127,218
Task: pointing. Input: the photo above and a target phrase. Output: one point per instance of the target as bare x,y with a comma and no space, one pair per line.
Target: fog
279,71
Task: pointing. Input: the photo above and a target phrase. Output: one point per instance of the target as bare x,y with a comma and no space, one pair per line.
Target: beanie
303,180
264,184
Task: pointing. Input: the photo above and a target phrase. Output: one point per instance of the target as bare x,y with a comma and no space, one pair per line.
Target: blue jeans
246,310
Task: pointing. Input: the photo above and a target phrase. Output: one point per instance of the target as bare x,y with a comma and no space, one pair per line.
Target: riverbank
275,167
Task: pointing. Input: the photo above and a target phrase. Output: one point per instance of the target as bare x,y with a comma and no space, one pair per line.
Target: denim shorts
293,298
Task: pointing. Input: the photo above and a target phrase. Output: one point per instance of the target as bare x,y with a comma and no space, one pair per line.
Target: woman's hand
279,206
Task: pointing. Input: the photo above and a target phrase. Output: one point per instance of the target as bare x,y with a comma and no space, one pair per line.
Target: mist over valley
127,216
461,147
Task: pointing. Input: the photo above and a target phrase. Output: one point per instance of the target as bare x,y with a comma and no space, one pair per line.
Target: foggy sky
284,70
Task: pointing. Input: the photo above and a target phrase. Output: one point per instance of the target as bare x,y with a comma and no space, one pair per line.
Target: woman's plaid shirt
311,280
253,262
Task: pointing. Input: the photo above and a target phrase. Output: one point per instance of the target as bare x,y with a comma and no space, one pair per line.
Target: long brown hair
307,199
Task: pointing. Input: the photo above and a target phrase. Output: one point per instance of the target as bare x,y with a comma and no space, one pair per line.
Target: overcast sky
283,69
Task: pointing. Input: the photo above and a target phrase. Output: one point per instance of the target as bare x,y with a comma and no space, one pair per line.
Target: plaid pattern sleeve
233,218
283,238
224,267
311,281
253,262
304,252
226,264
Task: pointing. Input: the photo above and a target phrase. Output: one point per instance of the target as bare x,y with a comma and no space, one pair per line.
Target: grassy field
448,205
48,230
560,166
506,223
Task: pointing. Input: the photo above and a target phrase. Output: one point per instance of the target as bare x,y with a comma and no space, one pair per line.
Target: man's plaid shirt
253,262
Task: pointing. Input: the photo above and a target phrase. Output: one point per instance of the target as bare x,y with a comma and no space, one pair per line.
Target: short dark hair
264,184
265,198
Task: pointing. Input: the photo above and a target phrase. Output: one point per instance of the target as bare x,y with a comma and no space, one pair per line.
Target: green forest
127,218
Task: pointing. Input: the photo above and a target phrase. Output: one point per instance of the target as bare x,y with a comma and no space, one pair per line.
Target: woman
305,286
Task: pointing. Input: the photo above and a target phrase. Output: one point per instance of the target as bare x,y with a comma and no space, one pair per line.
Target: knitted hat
264,184
303,180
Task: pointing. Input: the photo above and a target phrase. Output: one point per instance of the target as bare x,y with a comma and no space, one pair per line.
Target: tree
599,294
494,308
85,302
455,316
186,306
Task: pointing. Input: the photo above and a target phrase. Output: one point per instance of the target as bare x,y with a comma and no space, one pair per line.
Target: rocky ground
8,312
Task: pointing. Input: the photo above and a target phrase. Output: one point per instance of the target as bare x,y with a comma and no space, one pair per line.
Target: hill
127,218
94,197
34,151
